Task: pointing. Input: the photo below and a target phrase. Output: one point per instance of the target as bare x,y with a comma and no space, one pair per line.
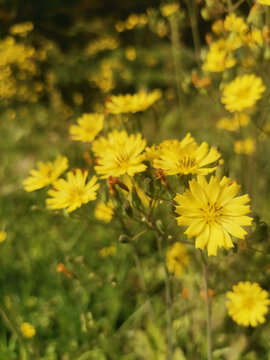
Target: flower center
77,194
185,163
212,213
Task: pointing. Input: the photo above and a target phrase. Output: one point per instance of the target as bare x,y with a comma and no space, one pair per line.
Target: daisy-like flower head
242,93
46,174
247,304
213,213
176,259
72,193
128,103
119,154
89,125
185,157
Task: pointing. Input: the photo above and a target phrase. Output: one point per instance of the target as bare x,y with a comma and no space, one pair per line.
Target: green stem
14,331
207,309
168,299
192,13
175,55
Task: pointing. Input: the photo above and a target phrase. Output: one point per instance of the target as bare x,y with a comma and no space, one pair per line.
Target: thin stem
168,299
192,13
207,309
175,55
144,287
13,330
139,266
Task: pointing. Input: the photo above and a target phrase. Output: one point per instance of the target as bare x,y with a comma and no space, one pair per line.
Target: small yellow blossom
212,212
119,154
21,29
72,193
28,331
234,124
104,212
185,157
247,304
242,93
177,258
46,174
131,53
246,146
132,103
89,125
107,251
235,24
3,236
169,9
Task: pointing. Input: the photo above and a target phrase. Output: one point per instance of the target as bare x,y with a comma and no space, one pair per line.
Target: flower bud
124,239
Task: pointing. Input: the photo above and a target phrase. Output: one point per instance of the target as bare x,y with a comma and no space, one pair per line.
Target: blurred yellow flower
185,157
233,124
104,212
247,304
234,23
264,2
246,146
169,9
119,154
46,174
28,331
242,93
89,125
211,212
21,29
177,258
107,251
72,193
132,103
219,57
131,53
3,236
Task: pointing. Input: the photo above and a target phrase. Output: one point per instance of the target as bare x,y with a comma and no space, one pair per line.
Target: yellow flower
246,146
119,154
247,304
236,24
72,193
176,259
28,331
233,124
3,236
242,93
169,9
219,58
185,157
132,103
131,53
264,2
107,251
89,125
21,29
46,174
104,212
211,212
